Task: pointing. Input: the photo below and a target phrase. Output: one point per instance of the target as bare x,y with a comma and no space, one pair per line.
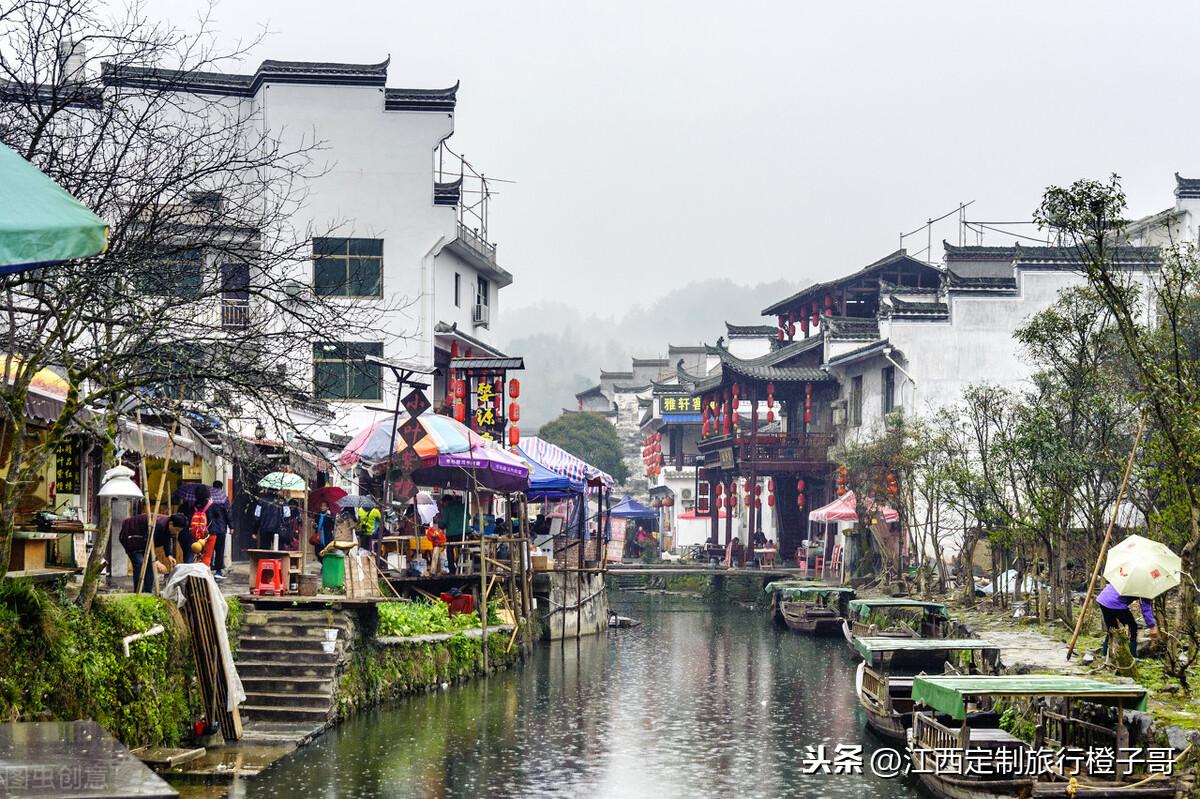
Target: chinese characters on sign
67,458
984,763
489,420
681,404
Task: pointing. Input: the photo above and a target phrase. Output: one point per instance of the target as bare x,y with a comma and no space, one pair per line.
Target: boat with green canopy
809,607
885,677
960,714
895,617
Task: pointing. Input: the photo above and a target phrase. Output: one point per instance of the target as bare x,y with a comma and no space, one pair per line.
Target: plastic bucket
333,570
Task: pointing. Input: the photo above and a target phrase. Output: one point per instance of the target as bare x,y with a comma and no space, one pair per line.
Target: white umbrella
282,481
1143,568
426,507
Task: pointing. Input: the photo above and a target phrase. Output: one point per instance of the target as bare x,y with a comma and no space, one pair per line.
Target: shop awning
558,460
152,442
40,224
845,509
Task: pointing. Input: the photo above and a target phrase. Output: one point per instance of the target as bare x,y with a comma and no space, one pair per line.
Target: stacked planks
206,650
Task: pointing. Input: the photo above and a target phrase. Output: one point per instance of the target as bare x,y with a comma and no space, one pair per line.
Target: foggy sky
655,143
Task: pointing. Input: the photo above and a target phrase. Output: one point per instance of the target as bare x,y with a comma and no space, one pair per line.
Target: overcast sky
656,143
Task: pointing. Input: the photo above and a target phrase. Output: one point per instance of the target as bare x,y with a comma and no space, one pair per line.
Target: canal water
696,702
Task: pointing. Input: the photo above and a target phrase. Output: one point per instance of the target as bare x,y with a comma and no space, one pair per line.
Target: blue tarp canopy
630,508
545,484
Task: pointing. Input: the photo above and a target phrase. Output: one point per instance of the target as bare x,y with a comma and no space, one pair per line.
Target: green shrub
404,619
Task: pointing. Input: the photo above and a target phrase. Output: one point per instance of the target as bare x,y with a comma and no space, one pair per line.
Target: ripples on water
694,703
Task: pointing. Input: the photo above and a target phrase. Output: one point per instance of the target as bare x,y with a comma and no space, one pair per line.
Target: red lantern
514,388
453,349
771,501
791,330
460,389
514,435
771,484
770,416
800,501
460,412
828,300
757,490
720,502
770,390
758,503
804,325
514,412
800,486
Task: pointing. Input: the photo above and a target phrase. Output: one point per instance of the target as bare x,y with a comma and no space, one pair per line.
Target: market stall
823,552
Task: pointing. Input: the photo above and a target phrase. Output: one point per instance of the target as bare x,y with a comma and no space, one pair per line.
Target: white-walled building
387,218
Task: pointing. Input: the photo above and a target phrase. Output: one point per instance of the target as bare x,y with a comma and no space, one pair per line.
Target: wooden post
579,574
1087,598
715,525
754,500
483,604
152,517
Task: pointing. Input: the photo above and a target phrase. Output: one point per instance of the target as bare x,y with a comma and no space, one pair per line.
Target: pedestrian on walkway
270,518
133,539
220,526
1115,610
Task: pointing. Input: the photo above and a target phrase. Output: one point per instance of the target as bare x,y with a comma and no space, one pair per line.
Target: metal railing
477,242
235,313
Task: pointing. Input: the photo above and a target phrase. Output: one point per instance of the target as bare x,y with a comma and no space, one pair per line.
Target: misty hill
564,348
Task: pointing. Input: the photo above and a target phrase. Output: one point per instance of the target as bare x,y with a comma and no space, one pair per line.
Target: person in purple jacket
1115,609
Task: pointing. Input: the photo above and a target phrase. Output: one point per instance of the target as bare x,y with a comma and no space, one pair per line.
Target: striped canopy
558,460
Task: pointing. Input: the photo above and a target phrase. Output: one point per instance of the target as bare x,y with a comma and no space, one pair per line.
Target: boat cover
863,607
947,694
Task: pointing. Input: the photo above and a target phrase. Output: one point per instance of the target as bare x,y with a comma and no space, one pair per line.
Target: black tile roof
981,282
651,362
918,310
420,99
765,368
858,352
487,363
447,193
452,330
972,253
852,327
1026,255
631,389
306,72
1187,187
887,260
750,331
616,375
591,392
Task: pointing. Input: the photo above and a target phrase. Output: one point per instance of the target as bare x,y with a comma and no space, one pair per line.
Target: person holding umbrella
1137,569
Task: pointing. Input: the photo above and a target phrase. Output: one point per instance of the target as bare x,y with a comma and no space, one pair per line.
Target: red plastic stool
275,569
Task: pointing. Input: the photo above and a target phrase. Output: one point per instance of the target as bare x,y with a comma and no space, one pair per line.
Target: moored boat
811,608
885,677
956,714
894,617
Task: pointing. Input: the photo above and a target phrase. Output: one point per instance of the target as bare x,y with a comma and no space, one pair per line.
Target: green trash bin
333,570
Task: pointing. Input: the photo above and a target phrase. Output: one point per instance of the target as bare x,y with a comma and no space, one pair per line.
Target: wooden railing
875,687
1063,731
929,734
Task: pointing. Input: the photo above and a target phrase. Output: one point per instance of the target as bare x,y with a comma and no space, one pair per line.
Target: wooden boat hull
951,787
800,621
889,726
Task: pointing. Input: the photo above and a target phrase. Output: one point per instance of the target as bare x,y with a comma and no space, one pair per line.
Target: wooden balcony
770,453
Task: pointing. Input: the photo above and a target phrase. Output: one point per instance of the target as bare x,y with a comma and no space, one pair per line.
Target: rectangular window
175,274
481,293
888,376
341,373
348,267
457,290
702,498
856,396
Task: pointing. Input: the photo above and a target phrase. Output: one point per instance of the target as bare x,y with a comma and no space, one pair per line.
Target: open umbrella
282,481
1143,568
443,435
357,501
329,494
40,223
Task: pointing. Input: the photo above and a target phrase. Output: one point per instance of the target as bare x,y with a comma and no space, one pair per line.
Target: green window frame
178,273
340,371
348,267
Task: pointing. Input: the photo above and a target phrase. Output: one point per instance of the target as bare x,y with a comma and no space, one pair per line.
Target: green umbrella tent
40,223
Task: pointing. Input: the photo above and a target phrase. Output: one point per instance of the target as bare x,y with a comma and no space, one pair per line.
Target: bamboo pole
152,517
1087,599
476,510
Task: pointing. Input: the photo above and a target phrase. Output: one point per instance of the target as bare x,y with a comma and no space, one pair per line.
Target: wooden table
286,560
30,549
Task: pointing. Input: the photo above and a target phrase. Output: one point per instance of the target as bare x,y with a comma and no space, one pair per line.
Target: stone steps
257,685
276,643
282,669
286,712
283,657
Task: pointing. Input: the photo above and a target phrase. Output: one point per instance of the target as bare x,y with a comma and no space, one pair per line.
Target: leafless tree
202,303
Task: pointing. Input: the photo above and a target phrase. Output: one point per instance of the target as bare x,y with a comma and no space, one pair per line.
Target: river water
697,702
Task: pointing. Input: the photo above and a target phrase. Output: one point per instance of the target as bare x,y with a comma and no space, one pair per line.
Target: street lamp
118,484
260,432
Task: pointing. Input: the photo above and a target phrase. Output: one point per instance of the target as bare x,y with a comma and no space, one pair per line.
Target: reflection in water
694,703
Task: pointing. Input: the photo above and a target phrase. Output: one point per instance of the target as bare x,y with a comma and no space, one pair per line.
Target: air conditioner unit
480,316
